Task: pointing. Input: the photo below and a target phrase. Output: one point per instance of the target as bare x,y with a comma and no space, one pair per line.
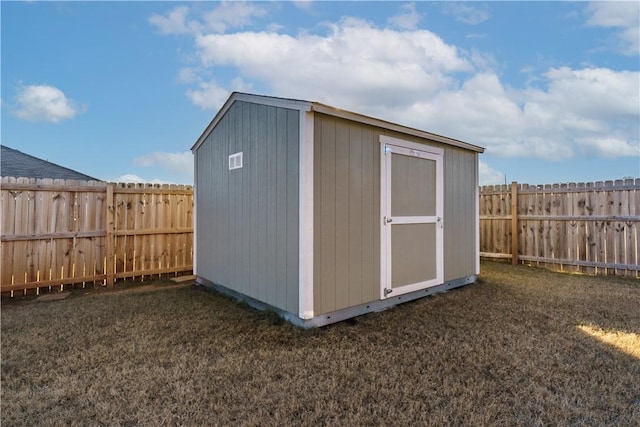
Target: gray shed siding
347,212
247,219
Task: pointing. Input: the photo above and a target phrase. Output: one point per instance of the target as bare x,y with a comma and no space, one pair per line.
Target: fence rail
591,228
57,232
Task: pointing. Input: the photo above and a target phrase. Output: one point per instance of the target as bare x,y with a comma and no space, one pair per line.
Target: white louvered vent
235,161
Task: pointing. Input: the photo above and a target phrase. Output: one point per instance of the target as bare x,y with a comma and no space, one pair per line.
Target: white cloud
414,78
232,14
305,5
347,66
226,14
592,92
175,22
611,147
408,18
210,95
188,75
489,176
467,14
552,123
178,163
623,15
44,103
613,13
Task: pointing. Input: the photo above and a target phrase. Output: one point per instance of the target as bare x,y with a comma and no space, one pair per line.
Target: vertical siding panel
242,225
260,161
247,228
224,198
328,214
220,204
318,268
356,248
450,222
376,202
449,225
342,215
370,216
235,141
281,202
248,201
469,215
243,261
226,224
459,213
271,207
292,218
208,190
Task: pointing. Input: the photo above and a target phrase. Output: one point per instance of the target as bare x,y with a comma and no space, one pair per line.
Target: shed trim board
477,248
361,118
302,105
292,104
334,163
195,217
305,295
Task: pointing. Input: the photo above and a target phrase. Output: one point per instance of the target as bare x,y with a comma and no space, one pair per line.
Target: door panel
413,258
413,182
411,210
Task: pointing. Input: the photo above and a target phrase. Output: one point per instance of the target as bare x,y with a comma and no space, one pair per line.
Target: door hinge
386,149
387,220
387,291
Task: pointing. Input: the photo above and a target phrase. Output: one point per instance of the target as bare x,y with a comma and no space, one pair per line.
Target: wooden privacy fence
57,232
591,228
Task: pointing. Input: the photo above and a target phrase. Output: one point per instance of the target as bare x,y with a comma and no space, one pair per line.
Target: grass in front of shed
511,350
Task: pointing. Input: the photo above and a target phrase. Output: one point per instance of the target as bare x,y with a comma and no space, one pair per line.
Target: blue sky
121,90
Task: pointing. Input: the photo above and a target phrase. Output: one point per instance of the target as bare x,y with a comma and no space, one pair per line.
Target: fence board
585,227
57,232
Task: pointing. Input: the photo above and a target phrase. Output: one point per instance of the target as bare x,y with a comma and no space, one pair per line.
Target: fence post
110,246
514,223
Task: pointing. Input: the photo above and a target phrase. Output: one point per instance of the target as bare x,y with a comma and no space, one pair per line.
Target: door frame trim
385,189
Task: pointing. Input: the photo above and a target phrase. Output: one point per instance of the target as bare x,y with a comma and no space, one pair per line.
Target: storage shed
322,214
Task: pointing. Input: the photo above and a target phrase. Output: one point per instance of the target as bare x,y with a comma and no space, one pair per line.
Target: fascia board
348,115
292,104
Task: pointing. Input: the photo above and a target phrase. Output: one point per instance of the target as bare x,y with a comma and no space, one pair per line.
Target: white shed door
411,210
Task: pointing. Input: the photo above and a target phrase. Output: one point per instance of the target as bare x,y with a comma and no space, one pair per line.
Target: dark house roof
18,164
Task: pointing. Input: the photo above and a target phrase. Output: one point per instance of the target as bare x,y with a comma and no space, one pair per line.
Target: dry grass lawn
523,347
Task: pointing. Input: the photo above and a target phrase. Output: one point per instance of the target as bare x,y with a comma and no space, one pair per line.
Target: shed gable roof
17,164
302,105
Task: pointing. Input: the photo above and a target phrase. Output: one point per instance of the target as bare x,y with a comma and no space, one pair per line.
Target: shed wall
347,212
247,219
460,223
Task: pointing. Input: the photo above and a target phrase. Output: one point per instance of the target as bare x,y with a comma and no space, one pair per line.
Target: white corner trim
385,201
477,183
305,212
195,217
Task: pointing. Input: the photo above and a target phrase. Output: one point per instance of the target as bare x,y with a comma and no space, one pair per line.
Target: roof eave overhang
349,115
293,104
329,110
